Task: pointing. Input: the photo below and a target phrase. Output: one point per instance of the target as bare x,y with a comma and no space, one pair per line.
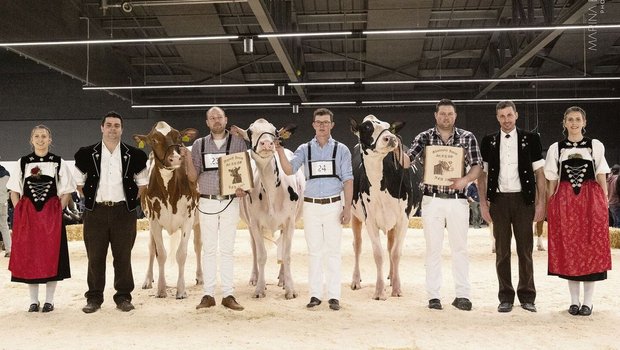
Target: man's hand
484,210
345,217
539,213
237,131
239,192
459,184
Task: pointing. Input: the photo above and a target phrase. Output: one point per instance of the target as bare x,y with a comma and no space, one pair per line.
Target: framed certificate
235,172
442,163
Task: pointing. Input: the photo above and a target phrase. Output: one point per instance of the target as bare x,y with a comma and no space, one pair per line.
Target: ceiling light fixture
330,103
201,105
121,41
323,83
164,87
492,80
551,99
490,29
300,35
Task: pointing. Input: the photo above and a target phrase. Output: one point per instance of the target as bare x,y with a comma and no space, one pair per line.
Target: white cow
275,203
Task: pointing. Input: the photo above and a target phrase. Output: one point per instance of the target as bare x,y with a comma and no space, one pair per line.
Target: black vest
88,161
529,150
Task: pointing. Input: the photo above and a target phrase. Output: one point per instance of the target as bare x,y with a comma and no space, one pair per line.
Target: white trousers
453,214
4,226
323,233
218,233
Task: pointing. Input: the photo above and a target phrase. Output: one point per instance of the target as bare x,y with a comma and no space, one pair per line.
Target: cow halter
254,147
177,149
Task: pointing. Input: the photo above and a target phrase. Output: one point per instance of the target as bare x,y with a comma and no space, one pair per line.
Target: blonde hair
574,109
39,127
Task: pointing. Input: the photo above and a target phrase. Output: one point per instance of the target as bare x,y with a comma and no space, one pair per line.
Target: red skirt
578,230
36,240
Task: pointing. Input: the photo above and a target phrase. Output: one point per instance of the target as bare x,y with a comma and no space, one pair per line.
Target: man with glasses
446,207
328,171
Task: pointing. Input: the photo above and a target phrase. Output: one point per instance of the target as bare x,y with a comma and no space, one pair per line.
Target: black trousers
115,227
510,214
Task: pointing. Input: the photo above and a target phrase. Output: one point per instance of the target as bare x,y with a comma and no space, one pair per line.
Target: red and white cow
385,195
170,203
275,203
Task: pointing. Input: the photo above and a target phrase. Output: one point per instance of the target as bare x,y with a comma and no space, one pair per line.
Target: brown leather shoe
206,301
231,303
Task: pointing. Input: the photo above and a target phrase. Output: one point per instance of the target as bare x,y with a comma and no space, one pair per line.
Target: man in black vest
110,175
513,171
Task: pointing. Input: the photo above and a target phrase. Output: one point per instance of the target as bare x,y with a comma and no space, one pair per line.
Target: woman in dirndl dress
40,186
577,215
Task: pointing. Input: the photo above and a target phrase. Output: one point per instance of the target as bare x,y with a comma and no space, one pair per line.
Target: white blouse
64,182
598,153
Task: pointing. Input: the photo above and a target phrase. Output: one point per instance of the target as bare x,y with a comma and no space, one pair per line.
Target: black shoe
334,304
504,307
34,307
47,307
91,307
529,307
585,310
462,304
573,310
313,302
435,304
125,306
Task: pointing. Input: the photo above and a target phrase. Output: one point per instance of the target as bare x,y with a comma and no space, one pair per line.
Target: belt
216,197
110,203
445,195
322,200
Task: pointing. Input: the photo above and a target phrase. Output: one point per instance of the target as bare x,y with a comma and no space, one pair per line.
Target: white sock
34,293
573,288
588,291
50,289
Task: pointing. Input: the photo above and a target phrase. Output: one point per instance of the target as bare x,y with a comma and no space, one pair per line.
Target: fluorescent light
328,103
296,35
121,41
161,87
200,105
551,99
488,30
323,83
494,80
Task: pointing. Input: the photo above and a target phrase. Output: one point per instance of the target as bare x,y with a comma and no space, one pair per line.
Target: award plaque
442,163
235,172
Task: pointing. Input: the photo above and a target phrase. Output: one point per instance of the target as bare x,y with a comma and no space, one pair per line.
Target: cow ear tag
185,138
284,134
141,144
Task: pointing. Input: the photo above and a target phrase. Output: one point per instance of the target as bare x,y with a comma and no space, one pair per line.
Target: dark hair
112,114
444,102
323,111
505,104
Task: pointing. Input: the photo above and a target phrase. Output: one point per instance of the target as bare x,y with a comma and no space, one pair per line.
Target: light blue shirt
326,186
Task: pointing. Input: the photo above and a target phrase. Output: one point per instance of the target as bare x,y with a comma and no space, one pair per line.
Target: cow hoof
397,294
182,296
356,285
259,295
380,297
290,295
252,282
147,286
159,295
200,282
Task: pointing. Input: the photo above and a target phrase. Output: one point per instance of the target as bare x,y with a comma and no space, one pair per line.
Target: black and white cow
275,203
385,195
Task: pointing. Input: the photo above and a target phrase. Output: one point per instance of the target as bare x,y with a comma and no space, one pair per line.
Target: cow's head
165,142
262,134
375,135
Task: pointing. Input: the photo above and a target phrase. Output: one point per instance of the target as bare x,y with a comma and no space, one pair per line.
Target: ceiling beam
259,8
574,14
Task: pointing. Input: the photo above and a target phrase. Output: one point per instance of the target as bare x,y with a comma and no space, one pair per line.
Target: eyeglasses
322,123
